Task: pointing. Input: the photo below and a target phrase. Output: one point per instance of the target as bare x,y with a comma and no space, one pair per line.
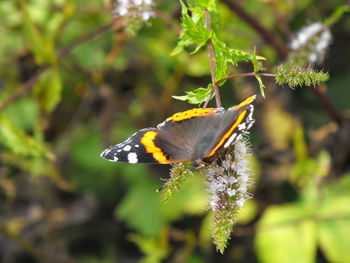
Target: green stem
249,74
212,65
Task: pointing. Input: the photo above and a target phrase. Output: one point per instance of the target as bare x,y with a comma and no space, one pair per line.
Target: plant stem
212,65
249,74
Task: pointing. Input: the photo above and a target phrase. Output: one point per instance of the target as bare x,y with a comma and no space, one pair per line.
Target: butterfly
197,135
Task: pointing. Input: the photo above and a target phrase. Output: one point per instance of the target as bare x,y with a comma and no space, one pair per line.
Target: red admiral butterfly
195,135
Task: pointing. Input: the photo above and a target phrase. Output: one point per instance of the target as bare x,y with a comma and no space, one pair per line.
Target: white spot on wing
242,126
132,158
137,146
127,148
228,143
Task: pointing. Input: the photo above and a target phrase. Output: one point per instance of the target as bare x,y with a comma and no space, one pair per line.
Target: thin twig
212,63
23,89
283,52
327,104
83,39
28,85
249,74
208,98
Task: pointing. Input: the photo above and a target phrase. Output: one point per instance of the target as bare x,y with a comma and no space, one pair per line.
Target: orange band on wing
148,142
190,114
244,103
228,133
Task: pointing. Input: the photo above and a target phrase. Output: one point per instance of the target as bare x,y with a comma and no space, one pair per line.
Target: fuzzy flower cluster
228,180
134,9
316,38
229,177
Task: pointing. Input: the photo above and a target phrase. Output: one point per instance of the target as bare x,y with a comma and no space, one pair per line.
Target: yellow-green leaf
16,140
285,234
48,90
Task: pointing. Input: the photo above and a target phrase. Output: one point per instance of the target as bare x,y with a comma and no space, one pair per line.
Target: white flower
229,177
240,202
134,9
305,34
315,38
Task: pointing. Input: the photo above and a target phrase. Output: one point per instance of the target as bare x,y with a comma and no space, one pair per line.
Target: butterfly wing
131,150
188,135
173,141
234,123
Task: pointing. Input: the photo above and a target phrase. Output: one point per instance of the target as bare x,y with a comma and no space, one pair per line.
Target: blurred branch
83,39
268,36
283,51
27,86
24,88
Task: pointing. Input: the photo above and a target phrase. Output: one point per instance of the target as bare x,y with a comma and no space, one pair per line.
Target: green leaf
203,4
48,89
141,208
194,31
334,228
86,149
258,67
197,96
334,240
336,15
284,231
24,113
154,248
18,141
225,55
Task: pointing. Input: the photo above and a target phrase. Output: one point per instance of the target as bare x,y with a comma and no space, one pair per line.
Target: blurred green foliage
60,202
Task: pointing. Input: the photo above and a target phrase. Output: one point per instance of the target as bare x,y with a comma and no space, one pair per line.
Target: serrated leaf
257,65
197,96
261,85
48,89
225,55
194,31
284,231
18,141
